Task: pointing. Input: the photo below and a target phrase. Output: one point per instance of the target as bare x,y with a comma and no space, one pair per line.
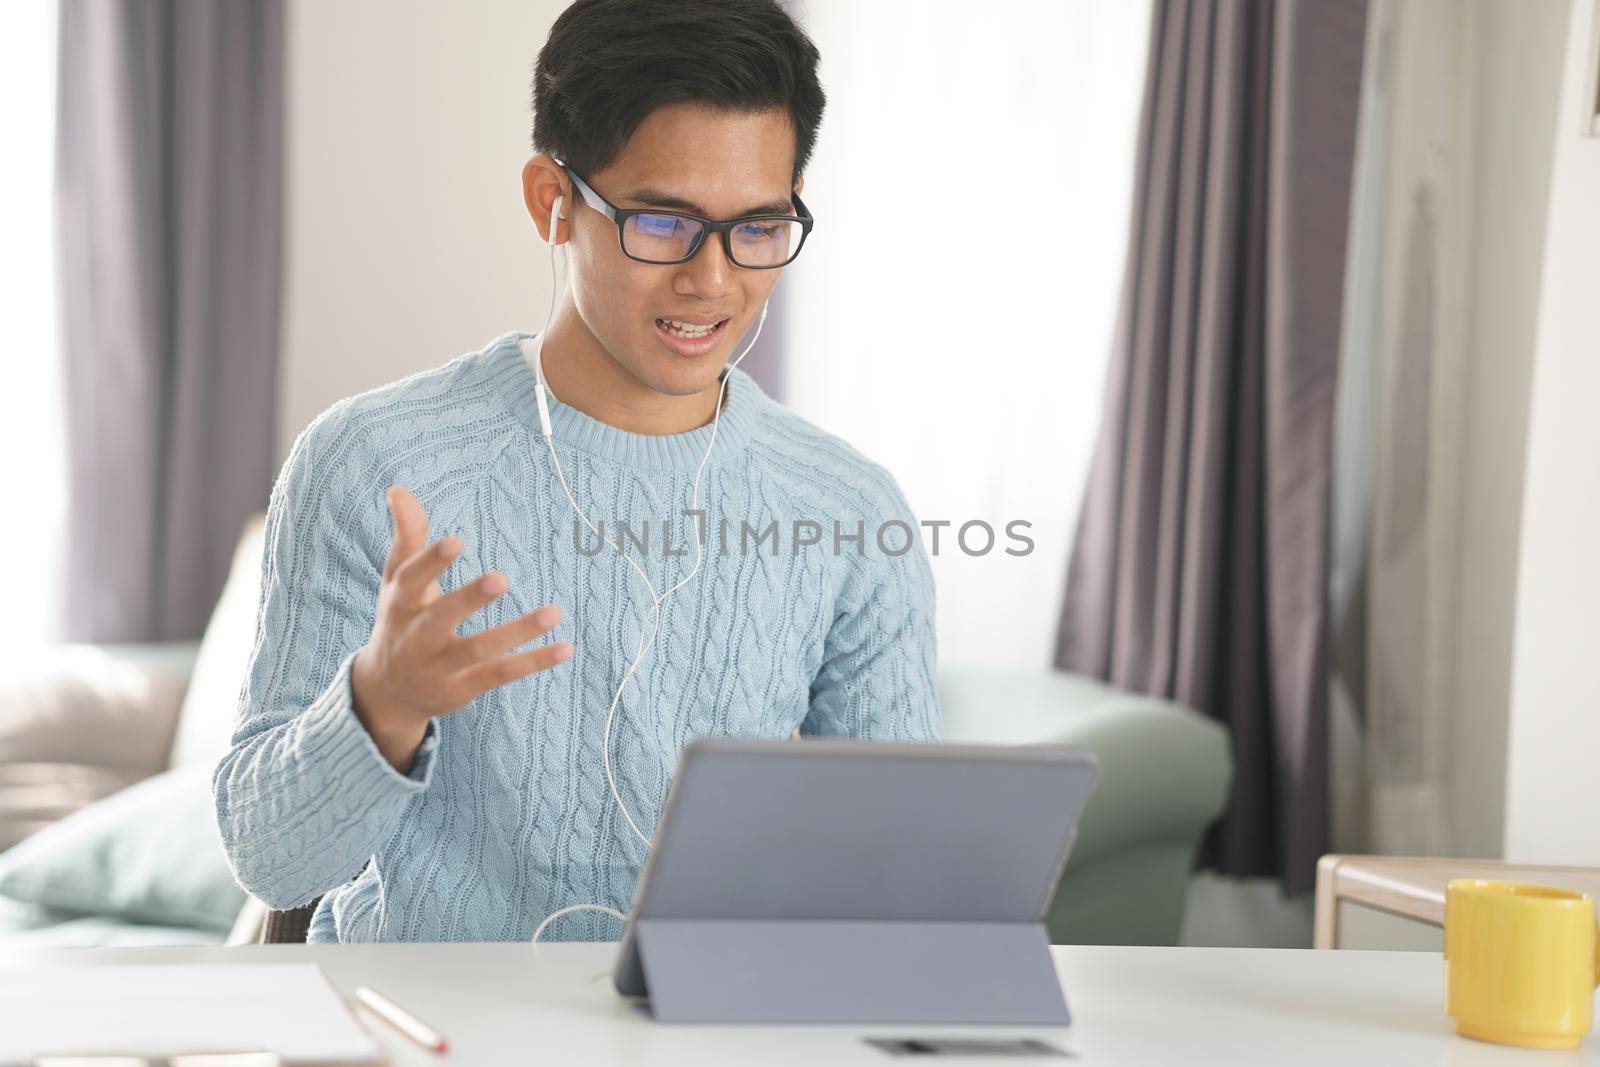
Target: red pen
400,1019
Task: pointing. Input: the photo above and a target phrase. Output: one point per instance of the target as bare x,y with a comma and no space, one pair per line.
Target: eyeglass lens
668,238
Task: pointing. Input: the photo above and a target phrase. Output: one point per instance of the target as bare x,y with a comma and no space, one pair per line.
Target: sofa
108,837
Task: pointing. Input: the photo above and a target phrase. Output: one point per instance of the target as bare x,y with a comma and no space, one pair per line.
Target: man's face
691,158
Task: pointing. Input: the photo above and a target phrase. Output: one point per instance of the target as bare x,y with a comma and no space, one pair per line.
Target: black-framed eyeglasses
649,235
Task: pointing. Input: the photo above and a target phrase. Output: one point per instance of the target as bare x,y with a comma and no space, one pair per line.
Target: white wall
407,241
1553,790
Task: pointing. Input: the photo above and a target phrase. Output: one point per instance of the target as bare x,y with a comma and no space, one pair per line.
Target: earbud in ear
555,219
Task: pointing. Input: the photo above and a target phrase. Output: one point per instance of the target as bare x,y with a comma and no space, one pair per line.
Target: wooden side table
1413,887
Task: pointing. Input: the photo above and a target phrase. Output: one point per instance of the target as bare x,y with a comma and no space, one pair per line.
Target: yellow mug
1521,962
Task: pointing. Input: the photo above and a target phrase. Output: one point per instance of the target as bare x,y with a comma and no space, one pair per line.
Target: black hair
608,64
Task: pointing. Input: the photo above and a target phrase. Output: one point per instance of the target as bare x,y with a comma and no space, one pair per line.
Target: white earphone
647,633
555,220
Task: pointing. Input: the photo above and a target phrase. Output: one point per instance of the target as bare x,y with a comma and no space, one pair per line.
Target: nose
709,274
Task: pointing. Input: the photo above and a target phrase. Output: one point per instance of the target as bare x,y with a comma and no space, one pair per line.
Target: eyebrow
657,198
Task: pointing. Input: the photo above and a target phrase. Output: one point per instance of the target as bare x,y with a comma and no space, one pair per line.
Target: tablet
846,830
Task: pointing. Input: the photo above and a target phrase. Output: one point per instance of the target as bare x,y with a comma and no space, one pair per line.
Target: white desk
553,1005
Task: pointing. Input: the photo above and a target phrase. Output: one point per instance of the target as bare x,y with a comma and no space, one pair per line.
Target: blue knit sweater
506,815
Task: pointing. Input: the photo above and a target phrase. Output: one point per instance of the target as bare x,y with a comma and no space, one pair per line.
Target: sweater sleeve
876,681
303,797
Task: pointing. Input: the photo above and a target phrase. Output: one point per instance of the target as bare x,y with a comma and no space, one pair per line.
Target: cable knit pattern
506,815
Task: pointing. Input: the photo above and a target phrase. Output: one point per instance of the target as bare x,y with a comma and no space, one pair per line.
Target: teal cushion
149,853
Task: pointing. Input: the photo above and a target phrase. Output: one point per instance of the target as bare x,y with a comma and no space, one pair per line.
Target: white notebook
168,1009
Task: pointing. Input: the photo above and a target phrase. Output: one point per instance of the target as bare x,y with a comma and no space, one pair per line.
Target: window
971,363
31,437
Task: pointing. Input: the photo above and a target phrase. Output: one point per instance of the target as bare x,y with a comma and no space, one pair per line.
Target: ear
542,181
800,184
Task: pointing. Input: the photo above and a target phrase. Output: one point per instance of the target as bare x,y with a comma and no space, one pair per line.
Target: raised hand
415,665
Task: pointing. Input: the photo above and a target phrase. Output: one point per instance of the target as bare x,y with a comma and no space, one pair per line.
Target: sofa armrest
166,659
1164,768
79,722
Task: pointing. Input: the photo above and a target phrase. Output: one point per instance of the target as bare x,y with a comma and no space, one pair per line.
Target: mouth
691,339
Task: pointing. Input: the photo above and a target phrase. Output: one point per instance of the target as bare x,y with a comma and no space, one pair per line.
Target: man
400,736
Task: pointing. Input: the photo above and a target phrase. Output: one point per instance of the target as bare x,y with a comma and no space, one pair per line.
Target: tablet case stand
855,882
851,971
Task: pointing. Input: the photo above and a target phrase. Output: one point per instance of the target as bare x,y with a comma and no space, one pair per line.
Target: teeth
687,329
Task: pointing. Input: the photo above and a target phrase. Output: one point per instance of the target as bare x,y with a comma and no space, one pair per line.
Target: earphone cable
651,624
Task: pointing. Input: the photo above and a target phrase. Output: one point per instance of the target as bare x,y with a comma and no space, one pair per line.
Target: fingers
412,577
448,613
445,615
502,669
508,635
410,523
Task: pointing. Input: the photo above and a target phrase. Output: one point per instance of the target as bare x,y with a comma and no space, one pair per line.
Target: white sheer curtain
952,311
30,412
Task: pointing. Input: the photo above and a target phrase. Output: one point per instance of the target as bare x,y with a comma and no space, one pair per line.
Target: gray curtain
1200,567
168,204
